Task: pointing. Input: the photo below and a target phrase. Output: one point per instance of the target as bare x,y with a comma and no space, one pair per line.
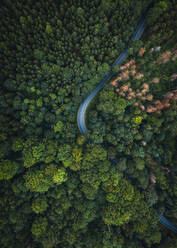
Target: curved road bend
118,61
83,107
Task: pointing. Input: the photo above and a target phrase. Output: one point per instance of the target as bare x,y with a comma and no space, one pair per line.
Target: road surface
83,107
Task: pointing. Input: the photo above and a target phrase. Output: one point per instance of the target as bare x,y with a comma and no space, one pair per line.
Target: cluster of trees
57,189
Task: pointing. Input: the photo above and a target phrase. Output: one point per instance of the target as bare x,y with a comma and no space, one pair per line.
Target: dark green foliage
56,188
39,205
8,169
39,226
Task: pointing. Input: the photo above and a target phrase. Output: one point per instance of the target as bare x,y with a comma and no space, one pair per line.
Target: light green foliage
156,237
116,69
17,144
38,151
139,163
130,51
27,152
36,181
107,97
81,139
53,96
136,121
155,12
60,176
39,226
138,136
120,196
48,28
90,177
70,163
94,155
141,227
115,176
103,69
58,127
64,152
77,155
70,190
39,102
135,46
51,169
112,216
89,191
163,5
40,180
137,111
29,160
103,168
107,107
107,5
35,151
8,169
22,20
120,106
39,205
121,103
80,12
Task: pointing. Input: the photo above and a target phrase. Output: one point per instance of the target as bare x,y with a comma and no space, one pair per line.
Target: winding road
83,107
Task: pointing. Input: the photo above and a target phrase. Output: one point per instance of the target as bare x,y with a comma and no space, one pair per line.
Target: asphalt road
83,107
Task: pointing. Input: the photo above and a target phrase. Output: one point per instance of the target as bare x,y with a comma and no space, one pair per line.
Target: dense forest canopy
57,190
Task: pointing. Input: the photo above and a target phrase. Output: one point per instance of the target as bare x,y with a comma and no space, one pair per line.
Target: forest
58,187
